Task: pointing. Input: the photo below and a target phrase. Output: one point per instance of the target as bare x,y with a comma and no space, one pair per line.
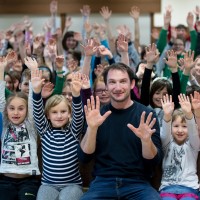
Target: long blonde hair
13,95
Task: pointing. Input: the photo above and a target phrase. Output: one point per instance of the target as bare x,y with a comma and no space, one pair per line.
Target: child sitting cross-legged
59,130
181,143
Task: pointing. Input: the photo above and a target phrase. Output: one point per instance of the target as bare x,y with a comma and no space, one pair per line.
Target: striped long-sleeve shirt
59,146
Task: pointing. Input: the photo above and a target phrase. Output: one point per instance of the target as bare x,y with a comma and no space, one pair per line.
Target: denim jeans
179,189
120,188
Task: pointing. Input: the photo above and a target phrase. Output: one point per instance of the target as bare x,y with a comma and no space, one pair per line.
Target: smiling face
17,110
102,92
9,82
119,87
178,46
179,130
157,96
71,43
59,115
197,67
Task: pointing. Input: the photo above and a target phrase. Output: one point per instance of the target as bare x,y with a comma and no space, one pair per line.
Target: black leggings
18,188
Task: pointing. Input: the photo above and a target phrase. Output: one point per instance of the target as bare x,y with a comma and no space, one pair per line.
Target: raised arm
77,109
171,60
135,14
38,110
191,125
168,109
122,47
152,56
89,50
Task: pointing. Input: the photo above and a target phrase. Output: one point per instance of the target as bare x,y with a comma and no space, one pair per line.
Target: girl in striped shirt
59,129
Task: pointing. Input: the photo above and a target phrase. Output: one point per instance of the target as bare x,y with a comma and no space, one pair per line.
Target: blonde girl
181,143
60,178
19,162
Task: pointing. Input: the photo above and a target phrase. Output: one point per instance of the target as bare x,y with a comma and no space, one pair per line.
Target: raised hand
122,44
89,48
184,101
37,45
59,62
152,55
144,131
167,106
31,63
135,12
188,62
85,81
195,100
105,51
105,13
190,21
36,80
171,60
167,17
11,57
76,84
181,64
47,90
92,113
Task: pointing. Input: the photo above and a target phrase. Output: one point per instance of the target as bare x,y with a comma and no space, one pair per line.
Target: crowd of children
92,95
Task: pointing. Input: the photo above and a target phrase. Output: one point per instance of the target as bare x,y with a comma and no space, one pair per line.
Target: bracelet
62,72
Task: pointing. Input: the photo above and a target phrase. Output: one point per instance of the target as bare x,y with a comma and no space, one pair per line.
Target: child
24,82
181,143
19,162
99,89
60,137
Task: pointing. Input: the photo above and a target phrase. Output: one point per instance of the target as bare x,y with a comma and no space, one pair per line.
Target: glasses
100,91
178,44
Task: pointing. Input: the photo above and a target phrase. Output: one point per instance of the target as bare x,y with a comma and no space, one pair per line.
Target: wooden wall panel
73,6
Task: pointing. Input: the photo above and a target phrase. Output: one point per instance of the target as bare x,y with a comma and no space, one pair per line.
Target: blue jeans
179,189
120,188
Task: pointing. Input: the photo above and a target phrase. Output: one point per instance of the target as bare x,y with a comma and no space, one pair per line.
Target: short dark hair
121,67
190,90
181,26
76,55
26,74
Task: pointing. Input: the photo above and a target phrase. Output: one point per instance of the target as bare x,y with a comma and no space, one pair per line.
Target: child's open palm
184,101
167,105
195,100
31,63
76,84
36,80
